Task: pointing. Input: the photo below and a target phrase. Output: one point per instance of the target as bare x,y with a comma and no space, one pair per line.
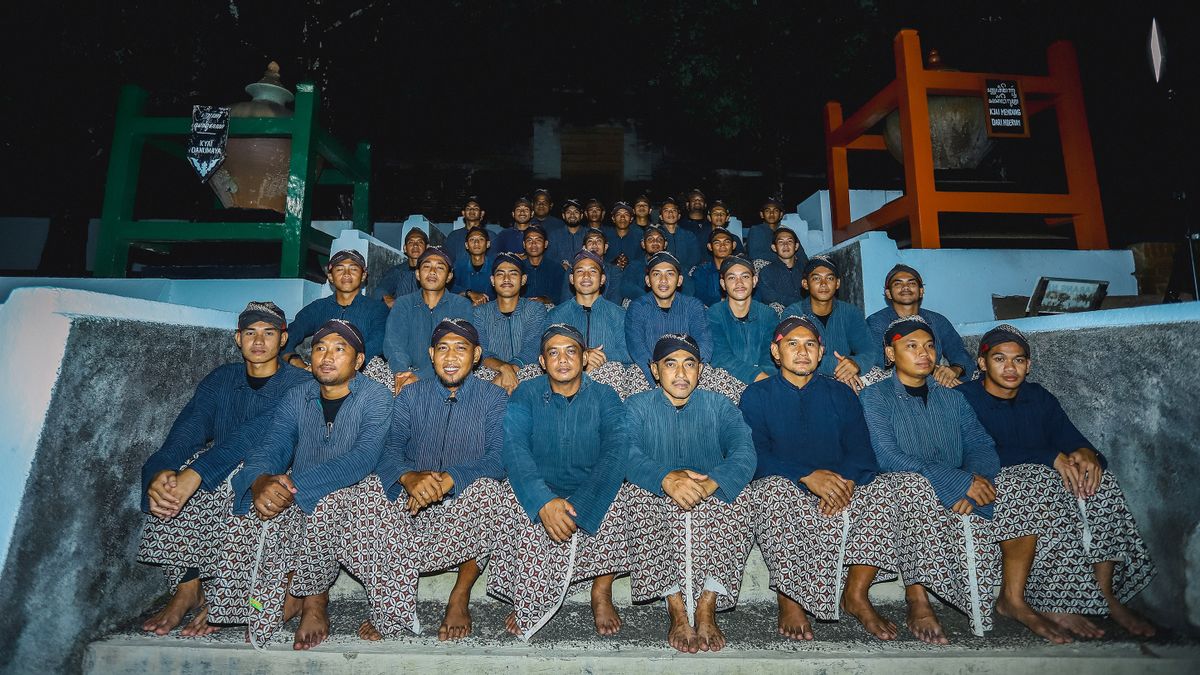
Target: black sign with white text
1005,109
206,145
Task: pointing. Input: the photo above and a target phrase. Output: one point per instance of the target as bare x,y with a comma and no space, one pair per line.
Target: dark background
446,92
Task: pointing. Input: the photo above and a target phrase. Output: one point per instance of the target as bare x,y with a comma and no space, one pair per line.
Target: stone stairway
569,644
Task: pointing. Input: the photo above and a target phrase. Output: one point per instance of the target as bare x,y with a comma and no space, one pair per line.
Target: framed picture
1054,295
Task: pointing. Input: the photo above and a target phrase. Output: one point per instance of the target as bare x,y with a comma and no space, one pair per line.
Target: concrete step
568,644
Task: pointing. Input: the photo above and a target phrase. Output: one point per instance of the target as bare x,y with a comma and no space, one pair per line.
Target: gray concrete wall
70,574
1131,390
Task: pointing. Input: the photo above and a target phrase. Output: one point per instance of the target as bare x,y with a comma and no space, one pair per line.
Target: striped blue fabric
574,449
515,338
366,313
467,278
602,325
684,245
564,243
743,347
545,280
708,435
846,333
410,325
646,322
433,430
942,440
226,412
322,458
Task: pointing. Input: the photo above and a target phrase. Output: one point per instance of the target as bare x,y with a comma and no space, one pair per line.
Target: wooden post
1078,159
298,219
362,189
124,163
839,171
916,141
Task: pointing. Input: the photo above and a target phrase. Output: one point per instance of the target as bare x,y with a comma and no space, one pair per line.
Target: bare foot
314,622
186,598
1131,621
682,636
604,612
199,626
793,621
708,634
367,632
1040,625
510,624
456,624
1075,623
292,606
925,626
869,617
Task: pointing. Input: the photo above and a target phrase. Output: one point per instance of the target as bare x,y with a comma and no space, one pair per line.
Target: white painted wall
816,213
230,295
960,282
547,148
34,326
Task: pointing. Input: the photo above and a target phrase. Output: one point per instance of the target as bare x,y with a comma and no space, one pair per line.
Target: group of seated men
559,449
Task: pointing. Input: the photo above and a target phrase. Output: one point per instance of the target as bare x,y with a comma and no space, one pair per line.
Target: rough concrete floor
750,627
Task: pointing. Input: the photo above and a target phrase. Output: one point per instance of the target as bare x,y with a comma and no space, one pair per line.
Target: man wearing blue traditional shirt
704,280
184,482
347,274
664,310
510,327
741,327
544,277
815,463
414,316
473,271
849,350
325,435
510,239
682,243
904,290
472,215
439,476
781,280
565,449
758,241
691,455
402,279
567,238
930,436
1069,543
543,207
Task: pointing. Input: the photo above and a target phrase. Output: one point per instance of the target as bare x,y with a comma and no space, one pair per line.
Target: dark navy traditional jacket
514,339
366,313
943,441
798,430
1029,429
949,342
646,322
321,458
708,435
602,326
574,449
226,412
743,346
432,430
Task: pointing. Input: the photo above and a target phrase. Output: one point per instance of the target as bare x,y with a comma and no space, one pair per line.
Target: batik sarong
191,539
808,554
536,573
252,574
1073,535
953,556
676,551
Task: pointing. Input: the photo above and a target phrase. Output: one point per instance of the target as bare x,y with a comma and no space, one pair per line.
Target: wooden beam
867,116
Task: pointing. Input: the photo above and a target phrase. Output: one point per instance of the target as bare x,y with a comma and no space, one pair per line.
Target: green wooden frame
119,230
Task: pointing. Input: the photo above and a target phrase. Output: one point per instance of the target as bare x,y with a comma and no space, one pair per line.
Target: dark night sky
718,84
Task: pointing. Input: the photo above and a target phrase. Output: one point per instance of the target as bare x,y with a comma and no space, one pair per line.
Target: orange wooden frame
922,201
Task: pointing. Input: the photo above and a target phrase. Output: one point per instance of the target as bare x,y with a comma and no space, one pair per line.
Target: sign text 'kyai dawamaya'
206,145
1005,109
